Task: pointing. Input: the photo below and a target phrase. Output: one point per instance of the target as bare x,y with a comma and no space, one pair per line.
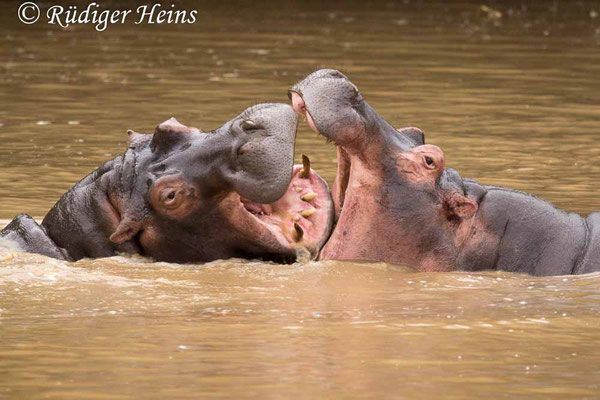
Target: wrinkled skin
395,201
183,195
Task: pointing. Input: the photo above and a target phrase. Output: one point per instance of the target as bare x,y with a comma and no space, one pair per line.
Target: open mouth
343,160
302,218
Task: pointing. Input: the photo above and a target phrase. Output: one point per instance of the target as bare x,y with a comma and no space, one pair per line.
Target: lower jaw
301,220
342,179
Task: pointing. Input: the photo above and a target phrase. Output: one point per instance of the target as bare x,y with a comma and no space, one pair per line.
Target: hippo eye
171,195
429,161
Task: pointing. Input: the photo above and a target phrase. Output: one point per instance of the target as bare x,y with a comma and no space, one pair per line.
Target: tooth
309,196
308,213
298,232
306,169
296,218
299,189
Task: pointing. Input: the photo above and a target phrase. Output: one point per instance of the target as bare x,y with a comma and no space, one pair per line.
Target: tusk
305,172
298,232
309,196
308,213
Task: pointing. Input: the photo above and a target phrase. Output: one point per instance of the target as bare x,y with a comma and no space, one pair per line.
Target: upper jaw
332,105
358,128
278,119
263,152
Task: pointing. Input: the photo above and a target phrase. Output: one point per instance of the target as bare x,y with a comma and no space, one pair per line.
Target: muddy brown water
513,100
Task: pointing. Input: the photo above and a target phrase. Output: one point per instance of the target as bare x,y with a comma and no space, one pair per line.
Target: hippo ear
465,205
461,206
414,134
137,140
170,134
126,230
134,136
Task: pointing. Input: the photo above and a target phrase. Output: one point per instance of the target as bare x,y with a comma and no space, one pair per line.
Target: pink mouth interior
303,216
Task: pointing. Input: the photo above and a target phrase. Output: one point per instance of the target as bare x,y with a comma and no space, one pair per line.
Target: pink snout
300,107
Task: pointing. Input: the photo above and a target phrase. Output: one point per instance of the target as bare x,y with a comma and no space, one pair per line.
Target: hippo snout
330,102
265,155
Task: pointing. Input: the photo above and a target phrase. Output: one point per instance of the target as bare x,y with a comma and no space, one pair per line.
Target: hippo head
252,154
406,177
335,108
230,192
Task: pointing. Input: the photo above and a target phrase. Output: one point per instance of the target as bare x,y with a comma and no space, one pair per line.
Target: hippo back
529,235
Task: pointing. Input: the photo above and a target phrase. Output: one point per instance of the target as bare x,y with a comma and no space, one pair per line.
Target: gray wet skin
396,201
177,195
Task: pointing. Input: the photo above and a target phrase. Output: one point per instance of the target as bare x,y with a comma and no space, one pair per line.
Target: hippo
395,200
183,195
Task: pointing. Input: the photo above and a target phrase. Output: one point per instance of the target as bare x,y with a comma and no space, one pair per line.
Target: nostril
336,74
244,148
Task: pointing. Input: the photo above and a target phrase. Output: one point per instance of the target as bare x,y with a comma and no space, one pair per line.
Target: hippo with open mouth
183,195
395,201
